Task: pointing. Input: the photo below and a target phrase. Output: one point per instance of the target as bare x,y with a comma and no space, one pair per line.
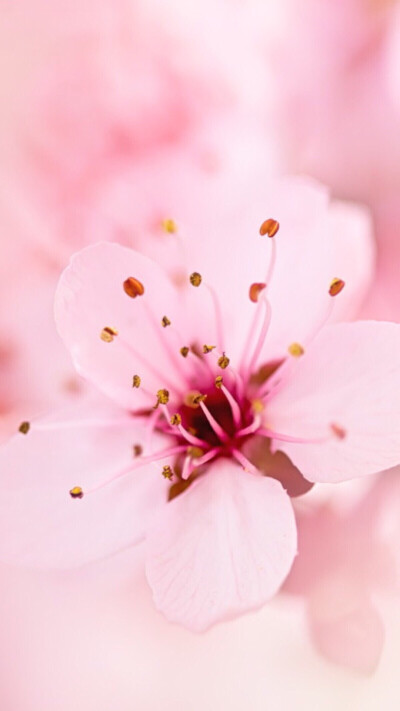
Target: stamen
162,397
167,472
223,361
76,492
24,427
195,279
251,428
218,381
218,316
165,321
246,464
296,350
188,436
176,419
137,450
337,285
262,336
290,438
136,380
133,287
213,423
191,399
269,227
195,452
184,351
197,399
147,364
208,349
141,462
108,333
255,291
190,464
234,405
169,225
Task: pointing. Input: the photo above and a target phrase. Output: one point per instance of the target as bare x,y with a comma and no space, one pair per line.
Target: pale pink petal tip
348,632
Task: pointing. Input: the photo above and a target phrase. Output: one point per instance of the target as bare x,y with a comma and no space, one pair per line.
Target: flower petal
354,256
345,626
40,524
91,296
349,377
221,548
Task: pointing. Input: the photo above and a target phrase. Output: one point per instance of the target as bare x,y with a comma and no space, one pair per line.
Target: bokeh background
114,114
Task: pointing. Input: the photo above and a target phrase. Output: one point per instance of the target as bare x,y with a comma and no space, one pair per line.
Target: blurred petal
345,627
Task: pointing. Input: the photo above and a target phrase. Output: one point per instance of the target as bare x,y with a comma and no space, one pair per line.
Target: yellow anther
195,452
336,287
296,350
133,287
24,427
195,279
162,397
219,381
197,399
223,361
184,351
257,406
269,227
208,349
190,398
137,450
136,380
167,472
108,333
255,291
169,225
76,492
165,322
176,419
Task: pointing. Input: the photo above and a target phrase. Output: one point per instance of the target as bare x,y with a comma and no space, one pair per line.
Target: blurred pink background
112,114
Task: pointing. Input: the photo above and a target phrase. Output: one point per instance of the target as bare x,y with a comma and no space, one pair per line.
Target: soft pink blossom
220,535
348,562
338,113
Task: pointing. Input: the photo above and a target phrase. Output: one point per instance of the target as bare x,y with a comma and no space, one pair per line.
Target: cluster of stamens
216,419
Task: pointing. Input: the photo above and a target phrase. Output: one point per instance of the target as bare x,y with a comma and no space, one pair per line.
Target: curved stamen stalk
162,337
147,364
197,462
266,432
235,408
246,464
192,439
218,317
140,462
213,423
251,428
262,336
255,319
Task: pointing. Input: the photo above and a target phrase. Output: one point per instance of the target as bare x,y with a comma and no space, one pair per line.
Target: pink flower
348,555
238,346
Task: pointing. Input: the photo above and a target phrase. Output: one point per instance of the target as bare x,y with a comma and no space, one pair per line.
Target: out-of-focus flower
201,365
348,561
336,74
